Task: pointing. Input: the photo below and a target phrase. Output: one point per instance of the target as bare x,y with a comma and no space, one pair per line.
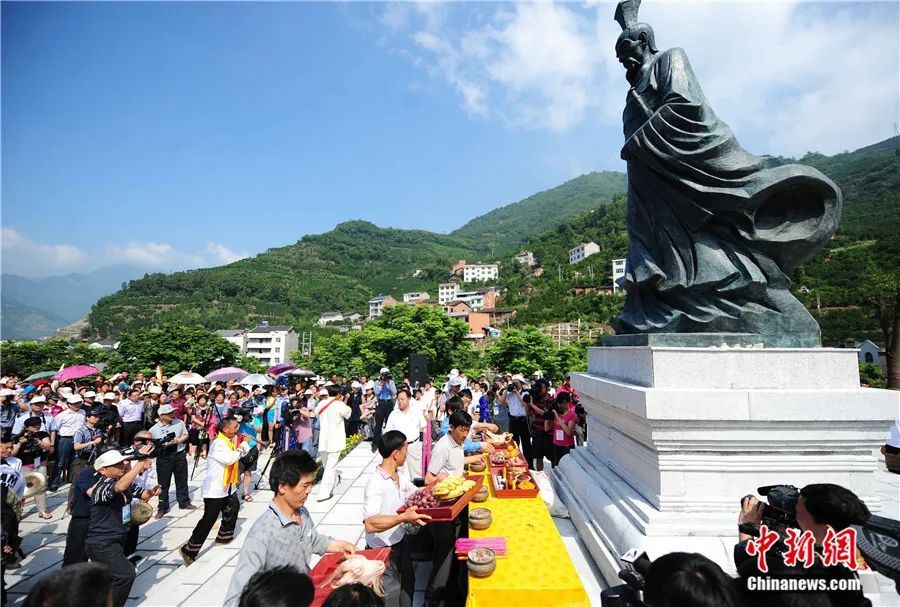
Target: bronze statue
714,231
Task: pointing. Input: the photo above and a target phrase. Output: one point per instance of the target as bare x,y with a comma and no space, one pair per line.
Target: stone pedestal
677,435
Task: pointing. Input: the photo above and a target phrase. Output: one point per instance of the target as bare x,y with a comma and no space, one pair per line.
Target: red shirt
179,408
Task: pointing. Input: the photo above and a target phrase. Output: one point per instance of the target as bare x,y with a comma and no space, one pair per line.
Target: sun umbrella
41,375
280,368
298,373
257,379
226,373
187,378
76,372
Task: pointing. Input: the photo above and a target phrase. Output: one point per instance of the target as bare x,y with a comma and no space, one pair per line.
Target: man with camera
814,508
32,448
170,436
87,442
512,397
385,392
110,516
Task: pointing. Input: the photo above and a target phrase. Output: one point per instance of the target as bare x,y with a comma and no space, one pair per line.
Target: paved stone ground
163,581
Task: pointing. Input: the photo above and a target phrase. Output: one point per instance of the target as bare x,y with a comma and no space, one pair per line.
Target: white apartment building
618,271
481,271
236,336
585,249
447,292
330,317
271,344
415,296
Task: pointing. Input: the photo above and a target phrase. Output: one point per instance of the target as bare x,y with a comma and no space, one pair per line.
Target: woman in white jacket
332,412
219,490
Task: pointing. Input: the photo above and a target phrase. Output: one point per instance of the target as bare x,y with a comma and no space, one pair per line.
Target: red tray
518,460
443,514
507,493
323,570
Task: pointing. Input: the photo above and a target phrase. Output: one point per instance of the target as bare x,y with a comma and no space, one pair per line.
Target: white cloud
219,254
789,77
21,255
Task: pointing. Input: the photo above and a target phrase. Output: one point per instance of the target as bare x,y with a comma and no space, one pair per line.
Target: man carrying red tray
386,491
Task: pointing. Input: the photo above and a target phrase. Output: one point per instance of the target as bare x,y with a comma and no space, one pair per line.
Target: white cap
38,399
355,385
74,399
370,385
328,383
309,392
110,458
90,394
323,392
384,370
109,396
65,391
894,440
152,389
166,409
455,380
518,376
7,392
454,372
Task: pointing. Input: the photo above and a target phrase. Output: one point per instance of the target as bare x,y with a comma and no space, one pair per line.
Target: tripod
277,449
203,429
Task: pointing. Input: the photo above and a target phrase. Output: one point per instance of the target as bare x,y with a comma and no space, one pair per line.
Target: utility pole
559,271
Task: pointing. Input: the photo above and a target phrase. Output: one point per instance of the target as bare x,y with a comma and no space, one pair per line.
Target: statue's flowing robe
714,231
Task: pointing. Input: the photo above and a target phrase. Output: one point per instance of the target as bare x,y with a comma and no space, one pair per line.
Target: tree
881,290
527,350
176,347
389,340
23,358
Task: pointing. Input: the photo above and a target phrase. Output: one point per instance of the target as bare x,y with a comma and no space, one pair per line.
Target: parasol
226,373
257,379
187,378
41,375
280,368
76,372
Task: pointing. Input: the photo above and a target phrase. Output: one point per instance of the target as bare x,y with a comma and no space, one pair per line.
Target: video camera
879,543
631,593
779,509
159,448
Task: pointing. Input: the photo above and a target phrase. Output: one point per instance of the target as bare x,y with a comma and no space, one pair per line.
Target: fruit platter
509,456
443,500
513,481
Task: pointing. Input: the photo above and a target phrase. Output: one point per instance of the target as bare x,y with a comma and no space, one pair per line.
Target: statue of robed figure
715,232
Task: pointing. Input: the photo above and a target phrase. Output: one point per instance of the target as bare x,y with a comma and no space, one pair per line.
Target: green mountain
21,321
343,268
339,270
506,228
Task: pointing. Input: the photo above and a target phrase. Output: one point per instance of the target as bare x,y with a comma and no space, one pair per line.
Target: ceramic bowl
482,494
478,467
480,519
481,562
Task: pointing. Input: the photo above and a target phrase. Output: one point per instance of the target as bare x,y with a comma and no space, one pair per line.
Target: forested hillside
339,270
506,228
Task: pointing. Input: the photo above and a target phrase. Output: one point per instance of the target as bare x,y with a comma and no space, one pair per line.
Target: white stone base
678,435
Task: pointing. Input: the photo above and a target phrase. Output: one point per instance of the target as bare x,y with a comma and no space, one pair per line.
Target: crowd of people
119,442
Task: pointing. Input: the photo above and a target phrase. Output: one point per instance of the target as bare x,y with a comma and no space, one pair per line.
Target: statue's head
635,46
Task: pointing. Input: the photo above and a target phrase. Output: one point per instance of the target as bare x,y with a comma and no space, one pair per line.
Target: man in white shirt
36,409
385,492
518,420
219,490
332,412
410,421
131,410
63,429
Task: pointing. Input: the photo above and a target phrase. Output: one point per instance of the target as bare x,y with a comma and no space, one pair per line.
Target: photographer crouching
171,436
822,510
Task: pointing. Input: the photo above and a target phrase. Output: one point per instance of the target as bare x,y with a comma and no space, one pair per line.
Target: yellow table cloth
537,571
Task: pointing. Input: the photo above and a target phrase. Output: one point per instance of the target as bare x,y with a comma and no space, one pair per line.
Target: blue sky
174,135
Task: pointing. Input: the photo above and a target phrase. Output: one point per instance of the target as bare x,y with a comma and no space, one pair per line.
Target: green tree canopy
389,340
177,347
24,358
527,350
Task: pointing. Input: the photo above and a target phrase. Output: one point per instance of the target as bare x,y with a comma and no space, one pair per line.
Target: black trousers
112,555
132,539
382,411
65,449
129,429
399,579
226,506
75,536
558,452
167,466
518,427
449,581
